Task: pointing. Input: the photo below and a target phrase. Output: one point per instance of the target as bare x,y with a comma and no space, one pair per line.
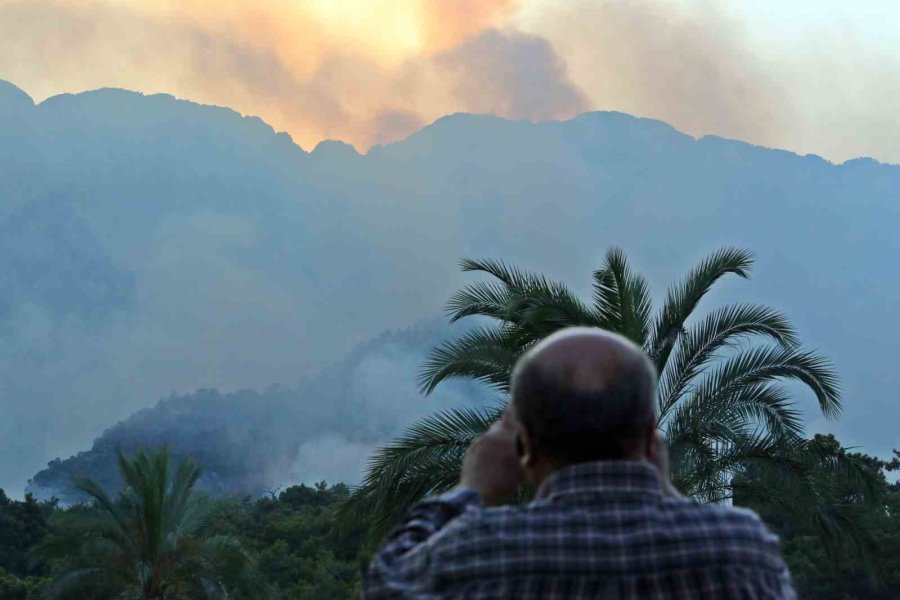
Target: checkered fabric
595,530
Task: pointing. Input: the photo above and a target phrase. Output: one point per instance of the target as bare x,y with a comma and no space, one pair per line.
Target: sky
815,77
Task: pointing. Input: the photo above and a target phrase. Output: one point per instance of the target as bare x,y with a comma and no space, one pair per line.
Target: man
605,522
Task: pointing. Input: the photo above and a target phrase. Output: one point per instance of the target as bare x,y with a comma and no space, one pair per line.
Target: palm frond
484,298
699,345
768,363
739,399
683,298
101,499
73,580
760,408
513,277
195,518
520,298
483,354
425,459
437,434
704,466
186,477
546,309
622,298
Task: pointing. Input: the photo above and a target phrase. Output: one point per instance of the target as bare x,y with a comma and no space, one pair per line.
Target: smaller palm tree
156,541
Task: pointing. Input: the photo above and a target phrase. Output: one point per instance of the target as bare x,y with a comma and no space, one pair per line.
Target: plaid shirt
595,530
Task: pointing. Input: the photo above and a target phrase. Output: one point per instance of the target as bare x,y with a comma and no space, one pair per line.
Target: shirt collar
603,477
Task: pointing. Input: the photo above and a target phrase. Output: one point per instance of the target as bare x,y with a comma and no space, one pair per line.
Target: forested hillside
252,442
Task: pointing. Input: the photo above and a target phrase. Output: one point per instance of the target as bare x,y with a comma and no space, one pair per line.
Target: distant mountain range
151,246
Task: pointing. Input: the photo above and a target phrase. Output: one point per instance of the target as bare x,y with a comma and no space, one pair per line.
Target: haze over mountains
255,442
151,246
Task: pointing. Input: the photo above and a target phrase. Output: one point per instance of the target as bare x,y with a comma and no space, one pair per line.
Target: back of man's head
584,395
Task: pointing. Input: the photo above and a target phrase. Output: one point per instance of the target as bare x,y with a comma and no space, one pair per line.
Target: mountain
253,442
150,246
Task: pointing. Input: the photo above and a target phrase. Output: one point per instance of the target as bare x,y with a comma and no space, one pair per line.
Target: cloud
372,71
392,125
332,458
384,400
692,68
849,105
303,67
507,73
512,74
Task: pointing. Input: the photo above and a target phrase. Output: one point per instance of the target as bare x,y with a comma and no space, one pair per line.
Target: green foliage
157,540
19,588
722,404
871,571
22,524
426,457
302,553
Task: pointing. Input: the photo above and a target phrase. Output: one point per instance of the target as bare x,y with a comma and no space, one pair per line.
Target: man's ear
525,447
654,447
657,452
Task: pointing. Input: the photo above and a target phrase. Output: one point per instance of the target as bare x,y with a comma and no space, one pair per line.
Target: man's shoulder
737,534
717,519
722,534
680,511
683,510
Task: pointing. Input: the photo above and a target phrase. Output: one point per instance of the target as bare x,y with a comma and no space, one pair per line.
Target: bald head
585,394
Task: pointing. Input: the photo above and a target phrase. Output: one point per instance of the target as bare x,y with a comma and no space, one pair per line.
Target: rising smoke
371,72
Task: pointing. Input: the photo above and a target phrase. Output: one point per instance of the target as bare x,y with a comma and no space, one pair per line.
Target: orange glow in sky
373,71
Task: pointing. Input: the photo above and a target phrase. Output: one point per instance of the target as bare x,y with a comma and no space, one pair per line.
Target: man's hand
492,466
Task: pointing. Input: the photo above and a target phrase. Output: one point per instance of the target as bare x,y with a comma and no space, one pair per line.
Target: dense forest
301,550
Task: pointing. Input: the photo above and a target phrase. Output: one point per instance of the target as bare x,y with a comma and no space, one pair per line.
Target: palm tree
155,542
722,405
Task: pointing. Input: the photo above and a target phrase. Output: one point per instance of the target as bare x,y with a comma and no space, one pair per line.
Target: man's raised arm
491,472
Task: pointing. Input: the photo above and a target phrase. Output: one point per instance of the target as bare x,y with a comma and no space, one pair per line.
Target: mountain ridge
437,123
151,245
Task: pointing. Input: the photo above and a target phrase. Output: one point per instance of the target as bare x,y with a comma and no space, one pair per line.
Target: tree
157,541
302,551
869,568
840,495
722,406
17,588
22,524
